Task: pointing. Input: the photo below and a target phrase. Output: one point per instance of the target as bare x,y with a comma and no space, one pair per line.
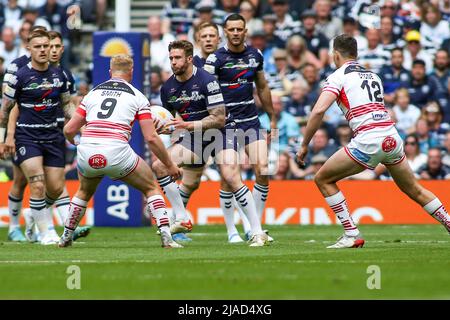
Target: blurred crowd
406,42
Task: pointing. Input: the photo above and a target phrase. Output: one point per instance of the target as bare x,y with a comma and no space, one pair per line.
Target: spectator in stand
317,162
8,48
374,57
389,8
177,17
433,30
156,82
343,133
299,55
283,168
288,128
226,7
158,46
317,43
436,128
423,134
413,51
247,10
389,40
311,75
446,157
31,14
206,13
442,74
286,26
328,25
298,104
394,76
258,41
320,143
23,37
444,8
12,13
281,79
406,113
434,169
269,27
415,158
423,88
350,27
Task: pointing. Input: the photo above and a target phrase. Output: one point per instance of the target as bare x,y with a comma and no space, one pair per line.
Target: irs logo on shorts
388,144
97,161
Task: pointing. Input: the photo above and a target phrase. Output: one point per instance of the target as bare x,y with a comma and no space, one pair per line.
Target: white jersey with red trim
359,95
110,110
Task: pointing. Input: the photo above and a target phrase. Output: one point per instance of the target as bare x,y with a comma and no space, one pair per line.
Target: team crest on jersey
22,151
388,144
97,161
213,87
211,58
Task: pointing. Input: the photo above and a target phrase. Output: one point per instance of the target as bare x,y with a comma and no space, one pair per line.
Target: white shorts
376,146
98,160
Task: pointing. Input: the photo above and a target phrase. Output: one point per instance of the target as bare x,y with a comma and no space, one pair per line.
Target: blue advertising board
115,203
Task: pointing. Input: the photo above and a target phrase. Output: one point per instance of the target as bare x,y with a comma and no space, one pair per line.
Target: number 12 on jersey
376,94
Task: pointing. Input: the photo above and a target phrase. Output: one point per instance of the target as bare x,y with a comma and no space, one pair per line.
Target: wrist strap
2,135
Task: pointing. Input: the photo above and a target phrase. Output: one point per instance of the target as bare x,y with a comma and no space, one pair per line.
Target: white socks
172,193
226,204
260,196
245,201
157,208
438,212
62,206
40,214
14,206
338,204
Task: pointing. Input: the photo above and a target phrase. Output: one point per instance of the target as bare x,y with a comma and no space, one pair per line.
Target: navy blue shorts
54,153
206,144
248,132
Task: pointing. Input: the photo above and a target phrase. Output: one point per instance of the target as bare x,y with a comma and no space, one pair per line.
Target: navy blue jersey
198,61
38,95
192,98
14,66
236,73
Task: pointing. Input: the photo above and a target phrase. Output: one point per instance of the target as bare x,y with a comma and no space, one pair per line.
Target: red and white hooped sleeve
333,84
144,113
81,110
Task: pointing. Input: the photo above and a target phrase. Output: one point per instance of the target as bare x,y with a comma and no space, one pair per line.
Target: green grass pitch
128,263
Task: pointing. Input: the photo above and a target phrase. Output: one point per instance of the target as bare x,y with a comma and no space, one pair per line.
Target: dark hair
33,28
234,17
55,34
185,45
346,45
418,61
397,49
39,33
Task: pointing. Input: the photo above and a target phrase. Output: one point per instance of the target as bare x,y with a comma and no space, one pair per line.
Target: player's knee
158,168
37,189
191,186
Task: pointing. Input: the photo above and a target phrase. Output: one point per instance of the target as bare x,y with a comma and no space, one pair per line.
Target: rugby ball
160,116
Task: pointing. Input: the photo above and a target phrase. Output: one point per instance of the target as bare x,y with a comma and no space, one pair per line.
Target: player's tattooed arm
7,106
215,119
67,105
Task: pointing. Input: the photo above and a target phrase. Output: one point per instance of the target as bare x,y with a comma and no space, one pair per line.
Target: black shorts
248,132
54,153
206,144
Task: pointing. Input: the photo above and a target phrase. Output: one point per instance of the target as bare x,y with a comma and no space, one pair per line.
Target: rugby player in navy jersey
15,195
208,39
39,90
237,67
196,96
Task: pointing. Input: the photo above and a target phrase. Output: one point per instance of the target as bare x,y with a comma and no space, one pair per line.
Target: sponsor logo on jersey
213,86
388,144
97,161
184,98
378,116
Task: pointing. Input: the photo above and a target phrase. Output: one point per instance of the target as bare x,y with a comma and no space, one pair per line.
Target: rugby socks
39,211
62,205
77,209
185,194
338,204
438,212
172,193
14,207
245,222
245,201
260,196
226,204
157,208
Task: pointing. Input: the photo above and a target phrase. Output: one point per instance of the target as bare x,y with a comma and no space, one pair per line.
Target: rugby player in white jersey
359,94
109,111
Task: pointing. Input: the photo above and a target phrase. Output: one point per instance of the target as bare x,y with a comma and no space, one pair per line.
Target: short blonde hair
121,63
